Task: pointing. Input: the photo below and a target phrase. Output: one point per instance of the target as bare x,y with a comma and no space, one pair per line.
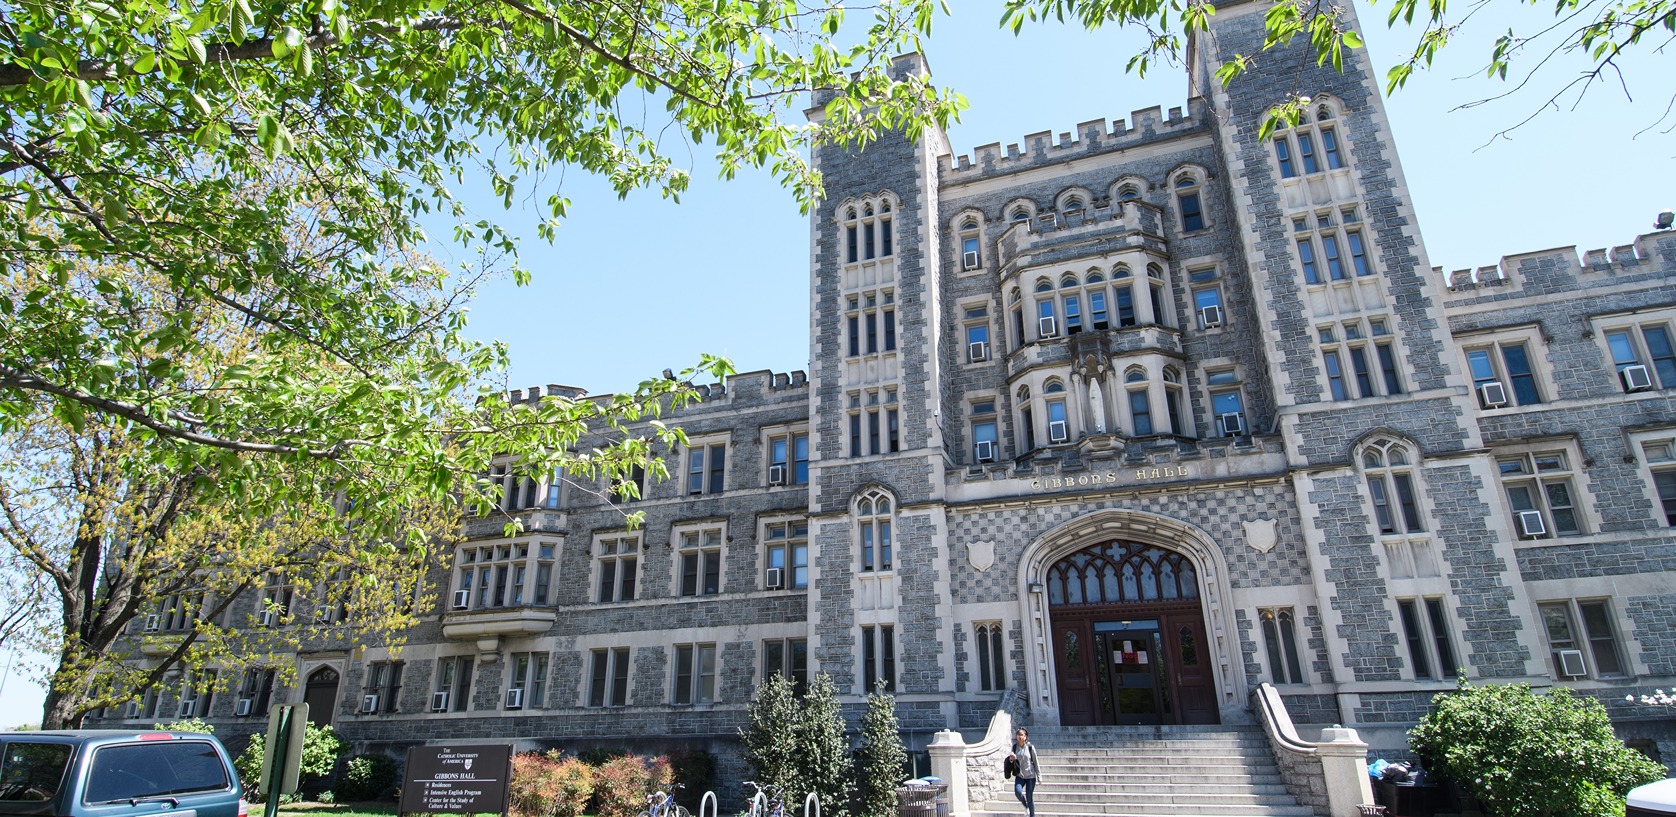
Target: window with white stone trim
1541,489
1582,639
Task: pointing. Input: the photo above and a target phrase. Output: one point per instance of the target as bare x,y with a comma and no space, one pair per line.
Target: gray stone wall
1353,570
1393,707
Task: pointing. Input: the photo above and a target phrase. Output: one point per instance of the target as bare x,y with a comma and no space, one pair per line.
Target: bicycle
765,801
660,804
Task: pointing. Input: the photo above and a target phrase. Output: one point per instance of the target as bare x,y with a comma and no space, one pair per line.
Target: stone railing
973,771
1330,777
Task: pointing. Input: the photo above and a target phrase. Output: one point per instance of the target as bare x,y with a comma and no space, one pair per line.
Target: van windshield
154,769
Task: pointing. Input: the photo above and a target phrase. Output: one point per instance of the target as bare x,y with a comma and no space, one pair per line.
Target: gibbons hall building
1111,426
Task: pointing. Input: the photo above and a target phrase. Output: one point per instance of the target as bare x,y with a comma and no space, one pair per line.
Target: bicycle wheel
759,806
681,811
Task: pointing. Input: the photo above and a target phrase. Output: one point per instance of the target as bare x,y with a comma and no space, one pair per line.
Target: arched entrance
1128,637
321,695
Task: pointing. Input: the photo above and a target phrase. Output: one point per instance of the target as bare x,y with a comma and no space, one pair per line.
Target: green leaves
1525,754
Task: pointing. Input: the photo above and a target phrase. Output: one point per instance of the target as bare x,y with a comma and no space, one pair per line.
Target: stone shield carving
981,555
1261,534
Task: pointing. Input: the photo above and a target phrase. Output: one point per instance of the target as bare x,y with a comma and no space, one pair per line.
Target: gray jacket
1027,766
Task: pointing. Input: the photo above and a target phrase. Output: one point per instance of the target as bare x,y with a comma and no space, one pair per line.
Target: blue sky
635,286
632,287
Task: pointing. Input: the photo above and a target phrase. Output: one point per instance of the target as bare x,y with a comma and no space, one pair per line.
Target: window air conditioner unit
1492,395
1571,663
243,707
369,703
969,260
515,699
985,450
776,578
1047,326
153,623
131,710
268,618
978,351
1636,378
188,708
1531,524
1232,424
776,474
462,599
1058,432
1210,317
439,702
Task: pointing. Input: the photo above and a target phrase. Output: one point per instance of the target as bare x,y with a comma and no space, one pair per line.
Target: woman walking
1024,781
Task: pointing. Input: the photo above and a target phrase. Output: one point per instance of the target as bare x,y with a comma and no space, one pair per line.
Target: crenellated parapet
1090,138
1562,269
741,390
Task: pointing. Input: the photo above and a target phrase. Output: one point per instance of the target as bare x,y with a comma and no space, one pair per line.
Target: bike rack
811,799
710,801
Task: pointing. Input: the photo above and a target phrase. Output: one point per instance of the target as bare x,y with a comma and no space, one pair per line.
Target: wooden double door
1135,666
1129,637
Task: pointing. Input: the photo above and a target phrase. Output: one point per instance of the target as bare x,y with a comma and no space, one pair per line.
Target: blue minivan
117,774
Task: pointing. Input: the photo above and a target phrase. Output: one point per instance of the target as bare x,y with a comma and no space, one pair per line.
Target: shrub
799,745
367,777
534,786
1528,755
321,749
600,757
621,785
880,761
825,766
769,734
187,725
575,785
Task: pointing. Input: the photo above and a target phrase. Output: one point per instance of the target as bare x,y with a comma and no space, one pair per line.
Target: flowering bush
1528,755
1659,698
623,783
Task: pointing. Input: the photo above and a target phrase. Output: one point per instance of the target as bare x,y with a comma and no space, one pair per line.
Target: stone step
1140,761
1151,810
1098,780
1172,793
1154,749
1073,746
1073,790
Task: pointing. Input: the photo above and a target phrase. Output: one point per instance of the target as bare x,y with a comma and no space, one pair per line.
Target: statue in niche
1096,407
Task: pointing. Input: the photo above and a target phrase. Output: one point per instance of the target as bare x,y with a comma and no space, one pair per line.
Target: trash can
917,801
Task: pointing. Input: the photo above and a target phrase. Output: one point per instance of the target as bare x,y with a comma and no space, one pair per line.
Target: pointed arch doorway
1128,636
321,695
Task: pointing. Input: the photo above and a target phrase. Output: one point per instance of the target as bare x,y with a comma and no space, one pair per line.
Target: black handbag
1009,767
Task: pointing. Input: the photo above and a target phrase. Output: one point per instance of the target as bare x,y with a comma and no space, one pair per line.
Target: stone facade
1163,332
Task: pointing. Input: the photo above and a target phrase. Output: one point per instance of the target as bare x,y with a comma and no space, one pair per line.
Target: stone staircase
1153,771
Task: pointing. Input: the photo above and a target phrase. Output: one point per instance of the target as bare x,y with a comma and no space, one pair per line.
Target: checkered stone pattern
1481,578
1218,513
1353,572
1393,707
1655,628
